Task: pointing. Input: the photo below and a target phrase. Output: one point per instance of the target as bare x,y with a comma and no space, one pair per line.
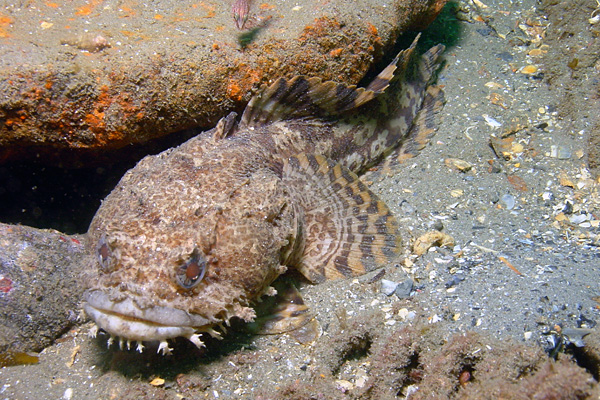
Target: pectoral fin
346,230
285,312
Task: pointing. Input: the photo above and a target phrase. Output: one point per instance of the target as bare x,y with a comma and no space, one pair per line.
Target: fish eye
190,273
103,253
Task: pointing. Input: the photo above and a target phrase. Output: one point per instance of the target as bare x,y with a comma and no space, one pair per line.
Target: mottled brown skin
155,219
244,202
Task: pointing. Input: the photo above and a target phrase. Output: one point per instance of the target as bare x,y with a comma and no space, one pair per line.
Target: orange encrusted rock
82,77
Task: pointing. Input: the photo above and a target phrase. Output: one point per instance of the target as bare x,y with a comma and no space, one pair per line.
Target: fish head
182,248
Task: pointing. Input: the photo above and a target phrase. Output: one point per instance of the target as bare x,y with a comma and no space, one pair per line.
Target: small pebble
509,201
438,225
536,52
455,280
517,148
485,31
529,69
457,192
505,56
388,287
157,382
578,219
68,395
568,208
548,197
344,385
435,318
495,167
406,207
404,288
458,164
491,121
528,242
560,152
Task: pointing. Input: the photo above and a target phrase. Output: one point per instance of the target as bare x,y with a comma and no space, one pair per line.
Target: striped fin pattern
346,229
311,97
424,126
388,122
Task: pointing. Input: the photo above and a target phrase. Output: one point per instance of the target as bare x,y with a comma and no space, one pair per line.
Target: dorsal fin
224,126
303,97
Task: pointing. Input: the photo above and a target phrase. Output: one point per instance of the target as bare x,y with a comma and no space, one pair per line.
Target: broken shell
430,239
458,164
157,382
457,192
529,69
502,147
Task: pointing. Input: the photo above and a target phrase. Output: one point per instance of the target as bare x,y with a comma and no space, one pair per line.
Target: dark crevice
357,348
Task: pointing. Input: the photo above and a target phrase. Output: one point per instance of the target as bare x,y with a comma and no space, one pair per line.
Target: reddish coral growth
234,91
87,9
335,52
210,10
5,21
374,34
267,6
95,120
416,359
372,29
321,27
5,284
242,81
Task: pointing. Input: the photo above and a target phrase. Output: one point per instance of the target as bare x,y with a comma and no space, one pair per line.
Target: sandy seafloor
524,267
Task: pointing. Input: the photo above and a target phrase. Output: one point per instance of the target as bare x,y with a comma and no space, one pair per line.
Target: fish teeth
195,338
164,348
215,334
93,332
139,346
110,341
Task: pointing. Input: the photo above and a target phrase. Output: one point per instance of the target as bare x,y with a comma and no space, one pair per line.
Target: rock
560,152
41,285
90,76
407,208
388,287
404,288
458,164
578,219
590,353
576,335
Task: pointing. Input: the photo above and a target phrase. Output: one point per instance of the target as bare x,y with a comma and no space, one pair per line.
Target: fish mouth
126,320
